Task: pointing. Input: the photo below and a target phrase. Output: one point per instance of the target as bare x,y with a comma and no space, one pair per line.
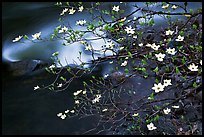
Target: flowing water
25,111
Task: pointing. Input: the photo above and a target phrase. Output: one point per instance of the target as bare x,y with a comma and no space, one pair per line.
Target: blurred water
25,111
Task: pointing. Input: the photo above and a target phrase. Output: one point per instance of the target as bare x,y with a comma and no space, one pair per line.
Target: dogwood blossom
17,39
72,111
110,44
106,75
84,92
123,19
134,37
175,106
154,46
121,48
151,126
104,110
124,63
148,45
179,38
116,8
59,114
72,11
193,67
167,111
81,8
135,114
63,11
63,30
200,62
97,99
174,7
187,15
88,47
80,22
158,87
169,32
165,7
66,111
76,102
141,44
77,92
36,36
63,116
37,87
60,85
171,51
130,30
52,66
111,62
167,82
160,56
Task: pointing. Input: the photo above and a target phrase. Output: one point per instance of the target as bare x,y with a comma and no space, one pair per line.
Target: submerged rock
116,77
20,68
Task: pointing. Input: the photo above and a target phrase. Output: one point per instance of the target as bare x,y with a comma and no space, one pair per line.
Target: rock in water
26,66
117,77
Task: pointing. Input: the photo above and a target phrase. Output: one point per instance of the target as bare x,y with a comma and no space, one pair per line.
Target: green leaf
68,69
194,26
191,11
183,60
129,54
25,37
156,81
195,85
55,54
84,83
47,70
62,78
143,69
144,62
145,75
156,69
191,46
126,70
151,22
177,70
181,33
157,107
122,11
156,118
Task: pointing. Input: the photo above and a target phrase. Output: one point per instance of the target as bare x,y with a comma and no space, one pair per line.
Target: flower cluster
110,44
36,36
63,116
159,87
193,67
17,39
153,46
130,30
124,63
160,56
167,111
71,11
63,30
171,51
37,87
80,22
116,8
169,32
180,38
151,126
97,99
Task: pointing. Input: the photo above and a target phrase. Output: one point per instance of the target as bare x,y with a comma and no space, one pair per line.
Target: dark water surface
25,111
